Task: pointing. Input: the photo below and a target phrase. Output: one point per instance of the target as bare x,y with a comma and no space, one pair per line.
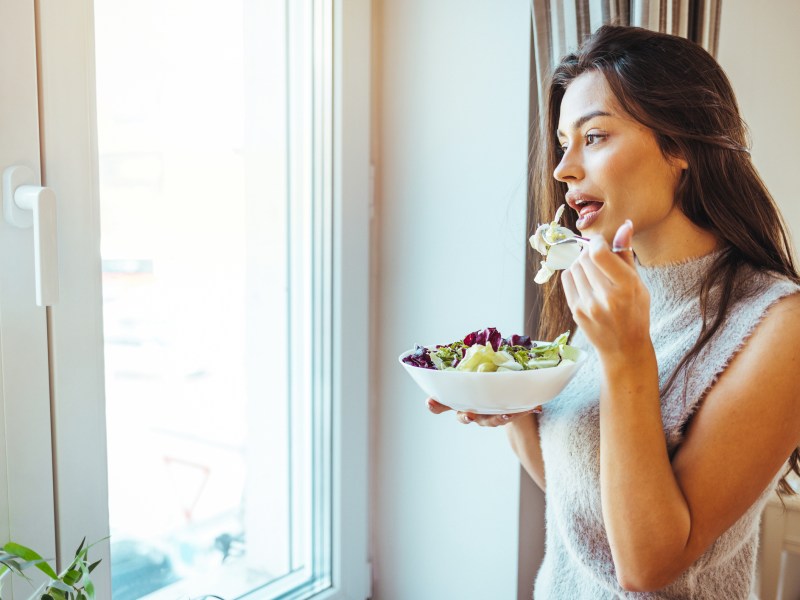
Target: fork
571,240
584,242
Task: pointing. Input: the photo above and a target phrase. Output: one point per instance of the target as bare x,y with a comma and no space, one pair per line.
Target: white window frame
352,199
26,476
69,156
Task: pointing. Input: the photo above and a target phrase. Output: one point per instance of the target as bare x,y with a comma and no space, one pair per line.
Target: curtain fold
560,25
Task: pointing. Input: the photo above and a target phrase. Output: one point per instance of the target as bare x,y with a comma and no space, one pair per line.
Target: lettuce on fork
557,257
487,351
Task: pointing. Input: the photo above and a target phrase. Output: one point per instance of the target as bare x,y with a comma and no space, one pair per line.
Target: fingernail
466,418
628,222
537,410
504,417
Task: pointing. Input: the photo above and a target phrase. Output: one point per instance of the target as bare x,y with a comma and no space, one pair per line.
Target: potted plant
74,583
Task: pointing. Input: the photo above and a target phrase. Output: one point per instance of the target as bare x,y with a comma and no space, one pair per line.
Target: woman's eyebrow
587,117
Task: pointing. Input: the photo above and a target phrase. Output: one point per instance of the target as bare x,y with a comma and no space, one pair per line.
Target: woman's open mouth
587,207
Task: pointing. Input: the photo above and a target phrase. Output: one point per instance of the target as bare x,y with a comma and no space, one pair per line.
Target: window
214,124
230,204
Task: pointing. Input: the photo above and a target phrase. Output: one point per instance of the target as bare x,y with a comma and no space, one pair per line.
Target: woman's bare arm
660,514
523,433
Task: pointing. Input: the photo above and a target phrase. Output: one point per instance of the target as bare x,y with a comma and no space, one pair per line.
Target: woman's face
614,168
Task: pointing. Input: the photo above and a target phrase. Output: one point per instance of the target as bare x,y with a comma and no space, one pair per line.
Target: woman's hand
438,408
607,298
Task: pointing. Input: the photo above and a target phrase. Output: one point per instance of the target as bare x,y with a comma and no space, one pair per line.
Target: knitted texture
578,563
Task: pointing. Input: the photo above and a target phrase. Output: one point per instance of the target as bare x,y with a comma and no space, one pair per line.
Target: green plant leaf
74,583
72,577
73,566
14,567
59,585
29,555
12,564
88,586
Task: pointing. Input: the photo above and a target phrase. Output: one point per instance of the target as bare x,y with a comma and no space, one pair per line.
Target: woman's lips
585,209
588,212
588,208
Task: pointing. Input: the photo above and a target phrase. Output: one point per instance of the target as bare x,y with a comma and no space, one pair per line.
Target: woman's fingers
590,289
582,284
437,408
615,263
593,276
466,418
493,420
623,242
570,292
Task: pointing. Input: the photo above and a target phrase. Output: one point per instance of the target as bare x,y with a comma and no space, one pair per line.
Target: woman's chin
597,231
600,225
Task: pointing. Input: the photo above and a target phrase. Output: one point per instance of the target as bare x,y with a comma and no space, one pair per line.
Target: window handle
26,204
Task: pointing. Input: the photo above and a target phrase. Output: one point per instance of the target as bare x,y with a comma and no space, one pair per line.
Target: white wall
452,101
759,48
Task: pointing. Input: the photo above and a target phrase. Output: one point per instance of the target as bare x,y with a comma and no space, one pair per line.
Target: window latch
25,205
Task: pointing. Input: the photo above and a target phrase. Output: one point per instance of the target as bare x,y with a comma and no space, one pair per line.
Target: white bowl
495,393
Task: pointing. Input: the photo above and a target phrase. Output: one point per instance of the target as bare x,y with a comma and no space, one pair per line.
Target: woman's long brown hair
676,89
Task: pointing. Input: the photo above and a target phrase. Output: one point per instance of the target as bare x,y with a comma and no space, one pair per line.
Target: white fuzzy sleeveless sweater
578,563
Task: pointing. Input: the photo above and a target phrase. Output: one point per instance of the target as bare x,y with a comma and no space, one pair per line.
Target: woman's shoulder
763,286
756,293
758,322
761,326
785,305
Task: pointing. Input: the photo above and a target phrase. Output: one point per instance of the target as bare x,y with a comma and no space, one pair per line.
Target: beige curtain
559,25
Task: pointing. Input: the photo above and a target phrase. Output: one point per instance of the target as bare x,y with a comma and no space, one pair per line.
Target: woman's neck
676,240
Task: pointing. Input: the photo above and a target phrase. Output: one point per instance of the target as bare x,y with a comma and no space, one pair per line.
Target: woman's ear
679,161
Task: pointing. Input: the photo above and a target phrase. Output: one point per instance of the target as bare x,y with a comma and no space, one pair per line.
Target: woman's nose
569,168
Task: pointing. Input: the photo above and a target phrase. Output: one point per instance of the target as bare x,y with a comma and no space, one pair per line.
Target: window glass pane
213,200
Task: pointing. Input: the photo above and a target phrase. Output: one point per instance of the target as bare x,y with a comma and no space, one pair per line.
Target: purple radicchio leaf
494,337
419,358
489,335
519,340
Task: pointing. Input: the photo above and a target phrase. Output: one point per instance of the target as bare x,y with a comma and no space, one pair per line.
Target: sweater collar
675,282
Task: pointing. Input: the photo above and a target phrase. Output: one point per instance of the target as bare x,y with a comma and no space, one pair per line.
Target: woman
658,457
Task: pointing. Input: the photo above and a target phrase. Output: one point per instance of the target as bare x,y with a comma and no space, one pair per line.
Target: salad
488,351
558,256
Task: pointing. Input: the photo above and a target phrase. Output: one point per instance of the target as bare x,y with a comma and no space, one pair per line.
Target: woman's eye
591,138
